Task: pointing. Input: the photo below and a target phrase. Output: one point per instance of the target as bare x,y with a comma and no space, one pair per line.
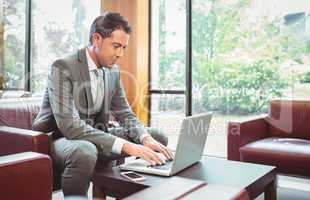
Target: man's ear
96,39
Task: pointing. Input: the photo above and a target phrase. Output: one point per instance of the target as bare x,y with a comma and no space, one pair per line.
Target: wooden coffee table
255,179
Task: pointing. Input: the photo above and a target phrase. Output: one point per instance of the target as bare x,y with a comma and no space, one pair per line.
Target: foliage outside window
55,32
14,14
168,45
244,53
243,56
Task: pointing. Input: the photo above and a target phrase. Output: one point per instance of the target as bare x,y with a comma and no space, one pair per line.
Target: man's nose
120,52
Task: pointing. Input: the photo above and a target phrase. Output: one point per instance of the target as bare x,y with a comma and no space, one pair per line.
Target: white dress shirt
119,142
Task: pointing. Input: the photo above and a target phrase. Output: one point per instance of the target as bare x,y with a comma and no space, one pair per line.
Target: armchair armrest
26,175
16,140
241,133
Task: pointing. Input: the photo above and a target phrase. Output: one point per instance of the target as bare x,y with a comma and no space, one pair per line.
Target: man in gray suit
82,92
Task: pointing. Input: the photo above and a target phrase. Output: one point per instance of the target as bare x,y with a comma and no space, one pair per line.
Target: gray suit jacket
67,106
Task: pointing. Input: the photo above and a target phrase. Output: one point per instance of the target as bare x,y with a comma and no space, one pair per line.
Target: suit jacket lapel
85,80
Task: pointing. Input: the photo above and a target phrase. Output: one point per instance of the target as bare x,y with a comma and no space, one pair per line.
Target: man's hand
150,142
143,152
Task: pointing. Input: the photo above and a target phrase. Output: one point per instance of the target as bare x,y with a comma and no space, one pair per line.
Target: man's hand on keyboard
143,152
157,146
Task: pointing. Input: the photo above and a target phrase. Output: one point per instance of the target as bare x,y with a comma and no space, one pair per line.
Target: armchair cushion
26,176
290,155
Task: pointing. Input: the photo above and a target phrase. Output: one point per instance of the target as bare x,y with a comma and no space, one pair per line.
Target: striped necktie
99,90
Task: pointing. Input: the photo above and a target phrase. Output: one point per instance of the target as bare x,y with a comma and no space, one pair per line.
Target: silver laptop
191,143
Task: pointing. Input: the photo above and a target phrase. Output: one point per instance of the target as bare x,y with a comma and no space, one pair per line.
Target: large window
14,29
244,52
168,65
37,32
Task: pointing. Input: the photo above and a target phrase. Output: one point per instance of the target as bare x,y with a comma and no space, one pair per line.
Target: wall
134,64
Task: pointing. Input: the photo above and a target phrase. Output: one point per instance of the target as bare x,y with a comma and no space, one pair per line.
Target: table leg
271,191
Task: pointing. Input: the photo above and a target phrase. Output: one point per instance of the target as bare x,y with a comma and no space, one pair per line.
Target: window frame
27,75
188,68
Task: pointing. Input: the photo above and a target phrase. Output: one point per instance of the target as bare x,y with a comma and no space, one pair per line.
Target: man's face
110,49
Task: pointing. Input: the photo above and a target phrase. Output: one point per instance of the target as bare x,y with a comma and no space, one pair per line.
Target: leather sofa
16,118
281,138
26,176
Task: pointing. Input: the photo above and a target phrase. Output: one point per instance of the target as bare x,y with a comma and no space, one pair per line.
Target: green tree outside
238,62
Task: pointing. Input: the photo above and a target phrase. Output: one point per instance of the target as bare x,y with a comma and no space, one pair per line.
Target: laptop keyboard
166,166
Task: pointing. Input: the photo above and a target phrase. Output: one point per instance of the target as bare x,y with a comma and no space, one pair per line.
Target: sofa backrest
290,118
19,112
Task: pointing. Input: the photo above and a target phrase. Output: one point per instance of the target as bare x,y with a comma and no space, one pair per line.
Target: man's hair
107,23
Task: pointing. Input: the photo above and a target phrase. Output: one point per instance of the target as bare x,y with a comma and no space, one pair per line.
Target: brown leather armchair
282,138
26,176
16,118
